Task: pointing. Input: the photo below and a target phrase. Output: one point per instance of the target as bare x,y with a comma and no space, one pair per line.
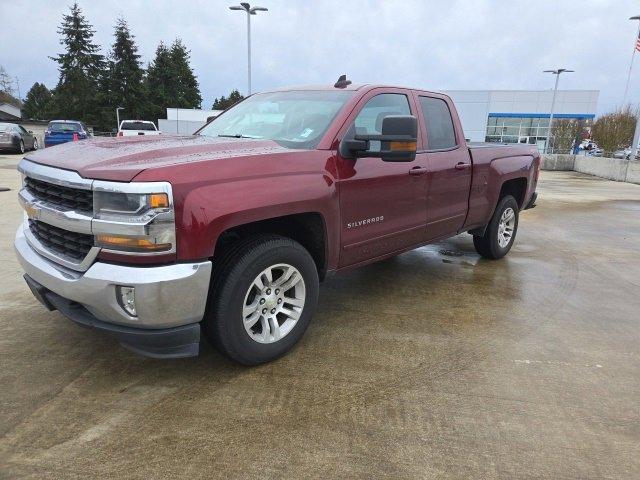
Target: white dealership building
513,116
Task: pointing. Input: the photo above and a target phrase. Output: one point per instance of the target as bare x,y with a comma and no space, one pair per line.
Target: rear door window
138,126
64,127
441,133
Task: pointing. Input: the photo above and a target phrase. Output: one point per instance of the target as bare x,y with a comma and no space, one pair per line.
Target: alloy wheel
506,227
273,303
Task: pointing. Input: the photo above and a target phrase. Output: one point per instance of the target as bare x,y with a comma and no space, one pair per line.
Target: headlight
134,218
116,204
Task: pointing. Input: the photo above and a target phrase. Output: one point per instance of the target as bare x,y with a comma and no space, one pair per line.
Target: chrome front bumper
166,296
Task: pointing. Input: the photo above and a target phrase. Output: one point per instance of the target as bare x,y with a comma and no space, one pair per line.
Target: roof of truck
353,87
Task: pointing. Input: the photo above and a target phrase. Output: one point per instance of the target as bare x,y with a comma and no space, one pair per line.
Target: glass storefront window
512,122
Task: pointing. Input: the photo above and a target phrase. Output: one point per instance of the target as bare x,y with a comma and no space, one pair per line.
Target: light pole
118,117
557,73
636,46
244,6
636,136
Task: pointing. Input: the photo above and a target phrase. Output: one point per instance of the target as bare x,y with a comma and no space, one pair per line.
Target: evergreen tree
37,104
160,84
187,92
223,102
124,79
170,81
81,68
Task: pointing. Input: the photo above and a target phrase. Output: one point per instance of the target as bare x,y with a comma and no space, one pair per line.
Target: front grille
63,242
65,197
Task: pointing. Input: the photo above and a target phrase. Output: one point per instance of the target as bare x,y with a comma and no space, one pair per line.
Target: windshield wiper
237,135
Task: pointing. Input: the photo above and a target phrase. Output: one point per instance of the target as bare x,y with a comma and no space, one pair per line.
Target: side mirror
31,132
398,141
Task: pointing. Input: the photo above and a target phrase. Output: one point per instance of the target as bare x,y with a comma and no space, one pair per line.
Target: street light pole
245,7
118,117
633,56
557,73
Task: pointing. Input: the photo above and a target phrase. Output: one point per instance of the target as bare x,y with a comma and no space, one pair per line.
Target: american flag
638,42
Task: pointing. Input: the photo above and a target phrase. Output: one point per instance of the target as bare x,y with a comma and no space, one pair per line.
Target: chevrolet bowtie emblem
32,211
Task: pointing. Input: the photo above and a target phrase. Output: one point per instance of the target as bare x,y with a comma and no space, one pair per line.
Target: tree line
91,85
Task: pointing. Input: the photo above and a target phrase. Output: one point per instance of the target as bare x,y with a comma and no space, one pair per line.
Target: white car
625,153
137,127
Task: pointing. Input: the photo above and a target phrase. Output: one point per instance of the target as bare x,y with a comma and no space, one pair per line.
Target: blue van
62,131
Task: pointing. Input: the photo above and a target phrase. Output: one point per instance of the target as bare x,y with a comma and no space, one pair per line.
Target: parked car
62,131
594,152
625,153
229,231
16,138
137,127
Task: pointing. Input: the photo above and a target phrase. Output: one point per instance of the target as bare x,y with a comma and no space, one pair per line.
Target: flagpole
633,56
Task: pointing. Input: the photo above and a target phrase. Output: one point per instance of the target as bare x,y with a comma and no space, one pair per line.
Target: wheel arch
516,187
309,229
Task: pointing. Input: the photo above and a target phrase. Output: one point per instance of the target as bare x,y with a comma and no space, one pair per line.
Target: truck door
449,165
382,203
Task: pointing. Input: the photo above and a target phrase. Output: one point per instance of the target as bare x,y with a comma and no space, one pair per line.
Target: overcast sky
430,44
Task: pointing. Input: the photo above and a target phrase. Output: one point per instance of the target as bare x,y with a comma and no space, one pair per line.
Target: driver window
369,120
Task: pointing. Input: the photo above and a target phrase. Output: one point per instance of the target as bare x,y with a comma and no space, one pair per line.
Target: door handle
418,171
462,165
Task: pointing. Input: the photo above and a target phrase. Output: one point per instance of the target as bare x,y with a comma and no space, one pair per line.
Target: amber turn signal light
410,146
130,244
158,200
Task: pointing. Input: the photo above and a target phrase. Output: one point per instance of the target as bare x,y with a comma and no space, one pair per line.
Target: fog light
127,299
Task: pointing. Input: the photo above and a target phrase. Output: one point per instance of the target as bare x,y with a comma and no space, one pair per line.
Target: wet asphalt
434,364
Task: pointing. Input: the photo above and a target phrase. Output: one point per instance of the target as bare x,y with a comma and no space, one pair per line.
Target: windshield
138,126
64,127
295,119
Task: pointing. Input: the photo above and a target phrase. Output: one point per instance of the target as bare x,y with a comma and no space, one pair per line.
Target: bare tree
565,131
614,130
6,82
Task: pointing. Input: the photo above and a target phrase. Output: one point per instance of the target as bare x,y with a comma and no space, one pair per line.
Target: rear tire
500,234
250,318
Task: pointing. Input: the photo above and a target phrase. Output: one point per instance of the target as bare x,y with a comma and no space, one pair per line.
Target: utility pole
118,117
245,7
557,73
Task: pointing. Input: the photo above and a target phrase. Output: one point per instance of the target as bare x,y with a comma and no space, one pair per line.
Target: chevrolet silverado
228,232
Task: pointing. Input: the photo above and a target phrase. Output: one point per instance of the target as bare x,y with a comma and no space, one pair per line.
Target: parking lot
432,364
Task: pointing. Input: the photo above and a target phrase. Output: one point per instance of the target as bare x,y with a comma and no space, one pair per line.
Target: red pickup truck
230,230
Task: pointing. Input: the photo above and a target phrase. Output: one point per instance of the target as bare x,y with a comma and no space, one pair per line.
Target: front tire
501,231
35,144
21,147
263,295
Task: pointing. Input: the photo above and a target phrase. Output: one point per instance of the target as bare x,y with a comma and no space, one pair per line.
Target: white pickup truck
137,127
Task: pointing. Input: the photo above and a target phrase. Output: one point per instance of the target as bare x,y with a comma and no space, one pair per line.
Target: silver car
16,138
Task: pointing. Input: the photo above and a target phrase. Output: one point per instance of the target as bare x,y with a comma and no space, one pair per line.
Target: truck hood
122,158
